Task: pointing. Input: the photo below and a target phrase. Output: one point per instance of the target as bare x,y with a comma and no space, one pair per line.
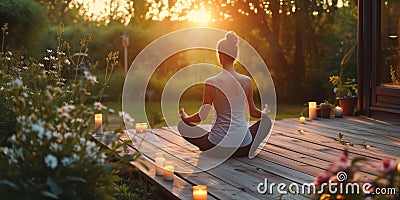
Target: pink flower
323,178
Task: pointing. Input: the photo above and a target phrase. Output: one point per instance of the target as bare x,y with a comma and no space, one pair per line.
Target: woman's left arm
205,107
253,110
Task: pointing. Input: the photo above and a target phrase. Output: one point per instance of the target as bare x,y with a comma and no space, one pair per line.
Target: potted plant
326,108
345,93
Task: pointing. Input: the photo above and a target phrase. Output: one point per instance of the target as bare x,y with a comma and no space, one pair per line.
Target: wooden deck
295,153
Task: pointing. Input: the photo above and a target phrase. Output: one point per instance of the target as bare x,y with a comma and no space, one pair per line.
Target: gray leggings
204,144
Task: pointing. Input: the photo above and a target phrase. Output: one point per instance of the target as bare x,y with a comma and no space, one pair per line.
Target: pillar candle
159,159
200,192
302,120
338,111
312,110
168,173
98,120
144,127
138,127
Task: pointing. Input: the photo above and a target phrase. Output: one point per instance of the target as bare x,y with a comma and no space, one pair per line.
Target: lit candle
302,120
168,173
312,110
398,167
159,159
138,127
144,127
141,127
98,120
200,192
338,111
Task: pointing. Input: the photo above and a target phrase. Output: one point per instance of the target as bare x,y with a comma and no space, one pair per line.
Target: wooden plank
358,126
330,132
179,188
236,171
216,187
318,152
288,157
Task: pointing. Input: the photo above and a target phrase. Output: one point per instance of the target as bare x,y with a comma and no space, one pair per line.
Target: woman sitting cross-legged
228,92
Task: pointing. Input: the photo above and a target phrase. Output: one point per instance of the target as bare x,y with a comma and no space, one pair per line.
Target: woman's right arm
253,110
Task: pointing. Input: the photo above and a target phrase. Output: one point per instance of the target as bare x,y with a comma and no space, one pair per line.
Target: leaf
77,179
49,194
54,188
107,168
9,184
357,159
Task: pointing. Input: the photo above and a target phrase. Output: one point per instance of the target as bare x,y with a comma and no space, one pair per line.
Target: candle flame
98,116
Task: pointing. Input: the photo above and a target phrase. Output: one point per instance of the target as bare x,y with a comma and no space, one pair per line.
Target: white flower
77,148
51,161
66,161
90,77
49,51
38,127
17,83
57,134
126,117
67,62
335,89
41,65
69,135
10,154
13,138
19,153
74,157
102,158
99,106
356,91
55,147
66,109
111,111
46,58
52,57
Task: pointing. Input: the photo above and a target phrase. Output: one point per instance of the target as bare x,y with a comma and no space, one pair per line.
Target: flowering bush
343,89
46,150
344,173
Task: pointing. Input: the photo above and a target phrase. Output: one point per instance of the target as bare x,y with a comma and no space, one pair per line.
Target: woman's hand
183,114
266,111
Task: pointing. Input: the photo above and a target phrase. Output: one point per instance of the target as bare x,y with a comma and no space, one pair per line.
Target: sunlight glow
200,16
105,10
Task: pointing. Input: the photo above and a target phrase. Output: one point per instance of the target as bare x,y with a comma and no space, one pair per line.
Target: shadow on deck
295,153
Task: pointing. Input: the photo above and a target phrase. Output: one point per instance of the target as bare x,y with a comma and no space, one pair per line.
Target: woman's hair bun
231,37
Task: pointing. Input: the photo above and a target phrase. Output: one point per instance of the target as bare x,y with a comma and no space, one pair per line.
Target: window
390,43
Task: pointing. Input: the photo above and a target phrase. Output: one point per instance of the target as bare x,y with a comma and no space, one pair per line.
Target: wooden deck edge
149,176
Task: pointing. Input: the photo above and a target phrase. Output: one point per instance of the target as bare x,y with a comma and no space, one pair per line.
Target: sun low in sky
179,10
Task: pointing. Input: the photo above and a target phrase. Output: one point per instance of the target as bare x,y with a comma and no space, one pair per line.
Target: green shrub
27,21
46,150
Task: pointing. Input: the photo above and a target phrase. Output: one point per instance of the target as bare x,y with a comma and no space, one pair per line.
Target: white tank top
229,125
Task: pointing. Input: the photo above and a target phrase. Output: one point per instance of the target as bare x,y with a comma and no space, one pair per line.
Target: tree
26,22
298,35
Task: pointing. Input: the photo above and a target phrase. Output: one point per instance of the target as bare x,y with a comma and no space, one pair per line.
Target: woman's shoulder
210,80
246,78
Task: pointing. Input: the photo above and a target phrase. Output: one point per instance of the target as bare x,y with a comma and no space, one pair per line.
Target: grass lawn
152,108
